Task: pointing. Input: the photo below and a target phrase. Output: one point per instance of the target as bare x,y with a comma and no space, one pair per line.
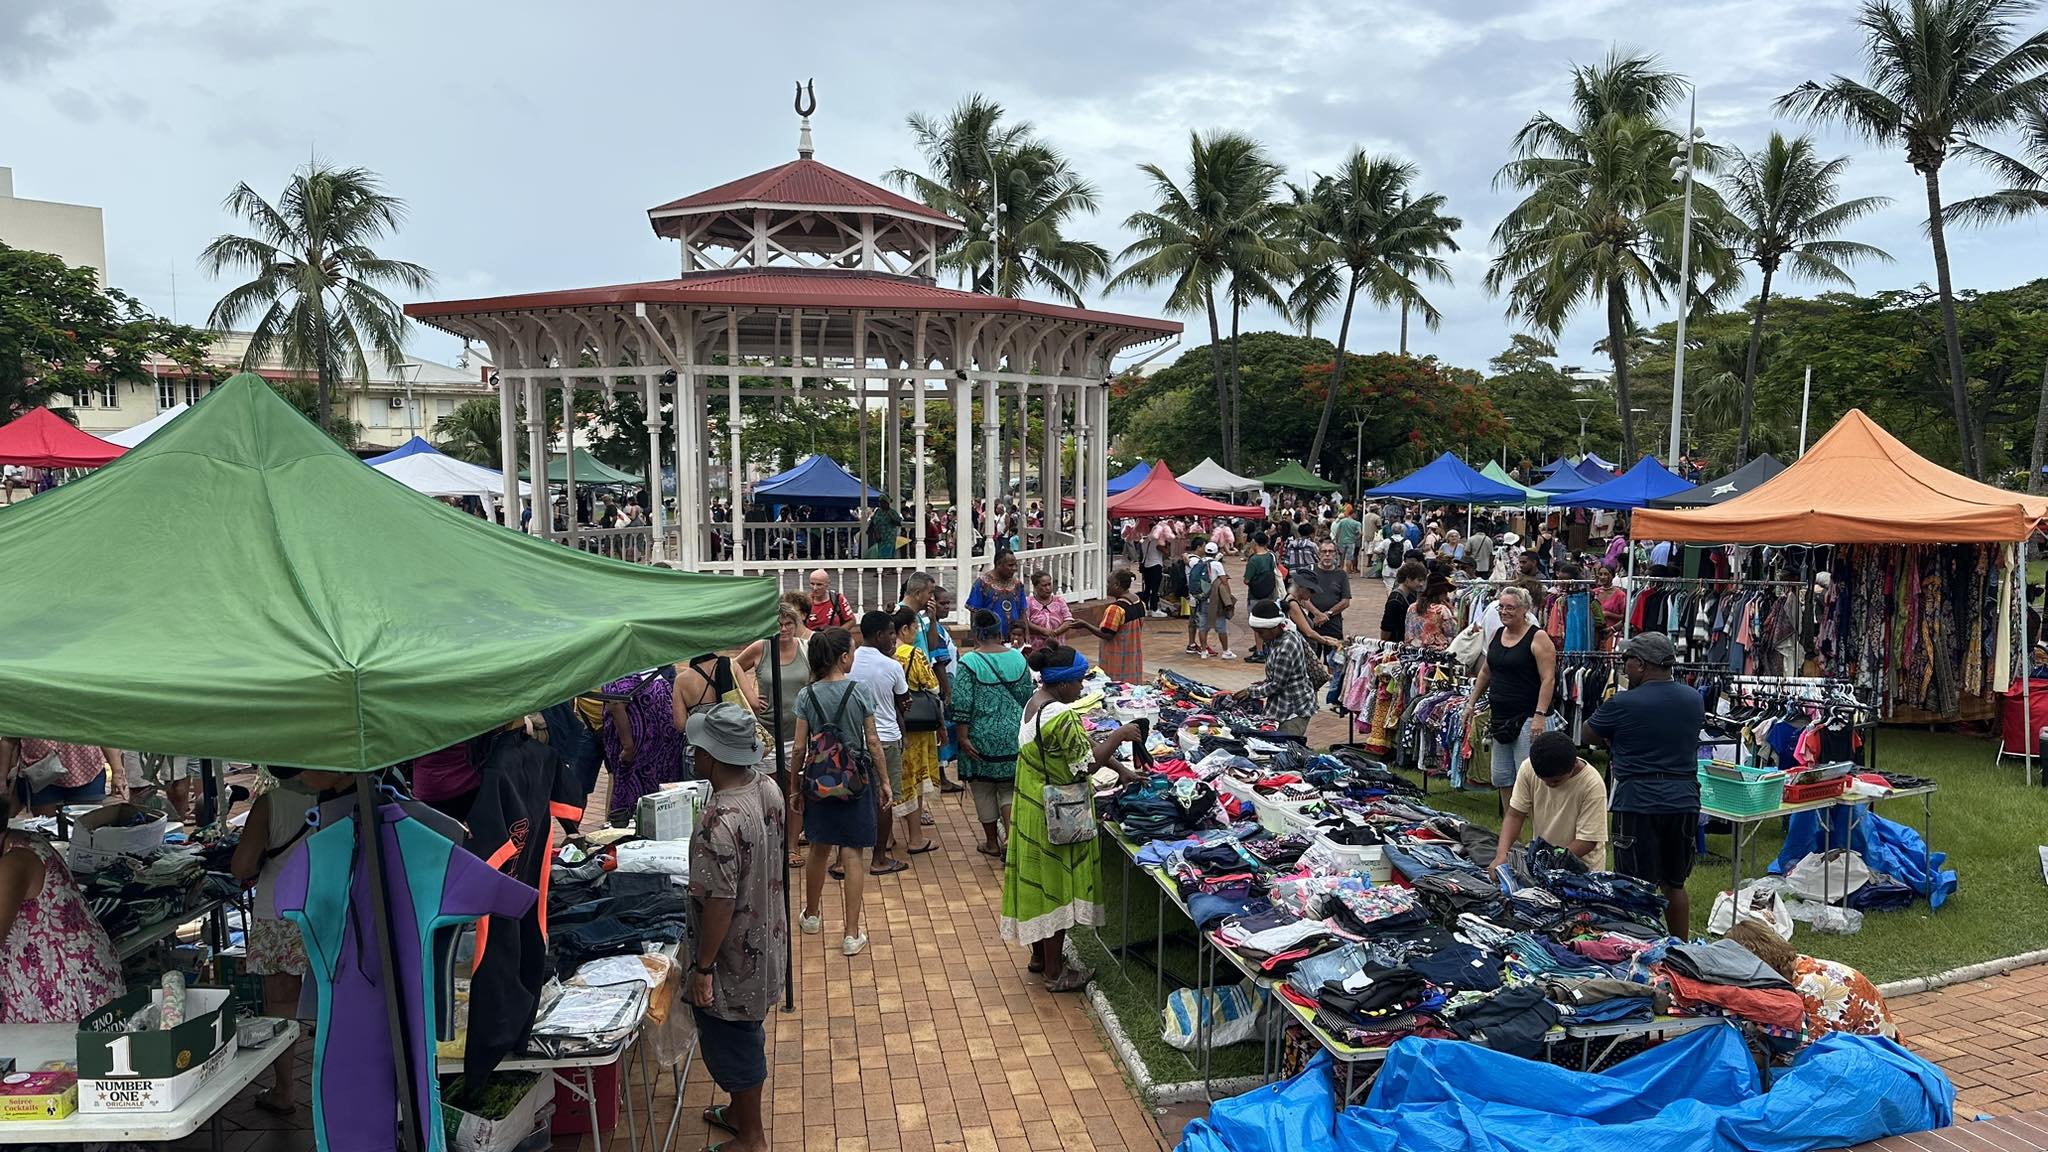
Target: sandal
836,872
989,850
927,846
797,859
1073,979
715,1117
889,869
926,820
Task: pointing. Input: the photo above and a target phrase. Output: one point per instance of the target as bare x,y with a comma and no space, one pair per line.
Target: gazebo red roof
43,439
800,185
778,287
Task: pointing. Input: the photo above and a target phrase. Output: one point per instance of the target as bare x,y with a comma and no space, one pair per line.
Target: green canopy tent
1499,475
327,616
1292,475
589,470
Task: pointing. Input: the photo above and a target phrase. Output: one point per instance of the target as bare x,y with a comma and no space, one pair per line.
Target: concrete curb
1151,1092
1963,975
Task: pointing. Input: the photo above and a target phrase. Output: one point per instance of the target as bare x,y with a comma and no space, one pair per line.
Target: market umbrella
1645,482
326,618
589,470
1292,475
43,439
1449,479
1162,495
1499,475
130,437
1751,475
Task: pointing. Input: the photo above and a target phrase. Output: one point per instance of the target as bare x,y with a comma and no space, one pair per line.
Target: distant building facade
74,233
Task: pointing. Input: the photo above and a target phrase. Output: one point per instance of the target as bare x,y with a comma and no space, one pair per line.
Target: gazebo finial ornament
806,103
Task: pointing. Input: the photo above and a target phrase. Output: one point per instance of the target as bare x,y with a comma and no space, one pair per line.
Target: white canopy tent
1209,476
130,437
422,468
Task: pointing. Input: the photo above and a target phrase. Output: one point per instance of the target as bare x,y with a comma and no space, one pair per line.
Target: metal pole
773,651
370,841
1684,280
2031,734
1805,399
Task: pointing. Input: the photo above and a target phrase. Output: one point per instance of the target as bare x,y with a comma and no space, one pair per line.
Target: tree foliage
61,332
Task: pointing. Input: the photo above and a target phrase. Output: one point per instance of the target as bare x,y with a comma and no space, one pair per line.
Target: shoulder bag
923,712
1069,808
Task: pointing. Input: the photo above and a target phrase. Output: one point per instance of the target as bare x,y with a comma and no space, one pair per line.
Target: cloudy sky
529,138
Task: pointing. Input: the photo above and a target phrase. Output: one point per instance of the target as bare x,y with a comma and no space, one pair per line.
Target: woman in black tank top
1517,677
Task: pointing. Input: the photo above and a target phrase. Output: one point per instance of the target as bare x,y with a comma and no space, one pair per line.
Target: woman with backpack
1052,873
990,686
840,786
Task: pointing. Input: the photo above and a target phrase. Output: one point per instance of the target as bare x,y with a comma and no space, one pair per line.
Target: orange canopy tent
1858,485
1161,495
43,439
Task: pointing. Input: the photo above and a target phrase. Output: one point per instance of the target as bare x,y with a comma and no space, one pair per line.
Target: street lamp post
1582,401
1683,166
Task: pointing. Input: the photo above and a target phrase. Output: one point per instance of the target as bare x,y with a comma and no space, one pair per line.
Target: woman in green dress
1049,888
991,682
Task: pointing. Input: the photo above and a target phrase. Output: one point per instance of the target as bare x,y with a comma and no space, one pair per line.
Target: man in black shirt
1652,732
1409,582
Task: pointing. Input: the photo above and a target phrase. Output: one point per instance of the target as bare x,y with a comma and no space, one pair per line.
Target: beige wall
74,232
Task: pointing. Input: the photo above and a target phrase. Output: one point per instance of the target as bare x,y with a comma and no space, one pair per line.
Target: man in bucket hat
1652,732
736,879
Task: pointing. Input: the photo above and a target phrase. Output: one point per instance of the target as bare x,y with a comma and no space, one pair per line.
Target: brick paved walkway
1990,1036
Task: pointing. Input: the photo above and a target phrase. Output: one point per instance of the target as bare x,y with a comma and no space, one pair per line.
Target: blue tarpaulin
818,481
1645,482
1886,846
1698,1093
1451,479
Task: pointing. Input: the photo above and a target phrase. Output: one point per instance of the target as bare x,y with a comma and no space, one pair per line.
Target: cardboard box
157,1070
38,1095
95,840
471,1133
671,814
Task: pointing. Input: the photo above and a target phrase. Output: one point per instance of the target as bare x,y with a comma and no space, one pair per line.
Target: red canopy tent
1161,495
43,439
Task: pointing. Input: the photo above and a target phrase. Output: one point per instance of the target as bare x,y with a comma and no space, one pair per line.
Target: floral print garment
1841,999
56,963
737,855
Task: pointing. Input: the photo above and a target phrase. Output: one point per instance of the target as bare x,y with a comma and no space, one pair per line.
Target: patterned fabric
1840,999
1007,603
989,691
276,948
920,749
83,763
736,855
1123,653
1047,887
56,963
658,747
1286,689
1046,616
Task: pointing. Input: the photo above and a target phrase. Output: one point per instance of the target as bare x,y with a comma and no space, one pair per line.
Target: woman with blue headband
1050,887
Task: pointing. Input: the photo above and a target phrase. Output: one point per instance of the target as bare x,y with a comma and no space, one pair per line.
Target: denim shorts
1507,758
735,1051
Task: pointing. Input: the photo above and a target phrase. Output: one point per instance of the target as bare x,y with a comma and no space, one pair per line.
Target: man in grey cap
1652,732
736,879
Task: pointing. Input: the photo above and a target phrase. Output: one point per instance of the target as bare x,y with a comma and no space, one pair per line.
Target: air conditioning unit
397,403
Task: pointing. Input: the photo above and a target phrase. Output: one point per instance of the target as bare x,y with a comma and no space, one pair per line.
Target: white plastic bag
1828,876
1232,1013
1837,921
1755,903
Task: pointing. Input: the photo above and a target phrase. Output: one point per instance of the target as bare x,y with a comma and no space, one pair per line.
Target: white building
72,232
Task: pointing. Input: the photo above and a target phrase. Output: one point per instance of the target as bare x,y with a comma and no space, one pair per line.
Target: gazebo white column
659,549
921,546
508,450
569,456
963,480
732,419
537,454
991,470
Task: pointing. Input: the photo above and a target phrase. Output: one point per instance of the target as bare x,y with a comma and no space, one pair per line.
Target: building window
111,395
443,408
194,389
106,394
166,395
379,411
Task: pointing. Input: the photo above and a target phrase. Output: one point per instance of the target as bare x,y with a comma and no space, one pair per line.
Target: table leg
1158,946
1927,842
1123,942
1205,1024
625,1074
590,1098
214,1137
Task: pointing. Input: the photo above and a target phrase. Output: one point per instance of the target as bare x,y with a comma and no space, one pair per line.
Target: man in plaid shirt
1288,691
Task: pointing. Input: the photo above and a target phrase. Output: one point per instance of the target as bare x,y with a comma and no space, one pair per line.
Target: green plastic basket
1752,797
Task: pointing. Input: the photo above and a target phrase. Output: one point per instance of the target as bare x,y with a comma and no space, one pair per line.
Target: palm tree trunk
323,385
1236,380
1756,340
1315,452
1959,389
2040,459
1222,385
1404,327
1617,347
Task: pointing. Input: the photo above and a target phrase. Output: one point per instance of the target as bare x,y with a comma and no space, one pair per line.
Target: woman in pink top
83,775
1046,614
56,963
1613,602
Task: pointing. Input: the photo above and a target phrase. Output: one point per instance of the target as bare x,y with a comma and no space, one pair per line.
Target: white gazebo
799,280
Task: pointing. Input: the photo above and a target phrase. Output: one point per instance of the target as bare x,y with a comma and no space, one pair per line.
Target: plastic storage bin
1761,790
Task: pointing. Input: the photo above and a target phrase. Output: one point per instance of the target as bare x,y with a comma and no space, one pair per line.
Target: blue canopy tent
1566,479
1645,482
1552,467
1452,480
1594,472
818,481
412,447
1118,485
1596,460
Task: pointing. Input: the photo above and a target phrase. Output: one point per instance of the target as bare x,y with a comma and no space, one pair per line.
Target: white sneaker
1202,655
1157,614
1227,655
852,945
810,925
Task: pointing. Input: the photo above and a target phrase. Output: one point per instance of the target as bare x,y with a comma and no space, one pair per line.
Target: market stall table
1739,839
33,1044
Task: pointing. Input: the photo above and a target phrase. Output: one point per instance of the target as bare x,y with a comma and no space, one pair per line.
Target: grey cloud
35,34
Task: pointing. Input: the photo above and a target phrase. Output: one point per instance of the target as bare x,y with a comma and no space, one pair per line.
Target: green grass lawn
1984,818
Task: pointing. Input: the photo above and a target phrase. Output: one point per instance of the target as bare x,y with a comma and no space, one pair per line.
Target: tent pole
773,645
2030,737
370,839
1628,601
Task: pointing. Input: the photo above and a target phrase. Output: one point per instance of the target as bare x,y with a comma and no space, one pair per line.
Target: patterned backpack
836,766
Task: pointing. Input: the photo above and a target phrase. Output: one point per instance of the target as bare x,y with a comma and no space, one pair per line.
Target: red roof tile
803,184
769,288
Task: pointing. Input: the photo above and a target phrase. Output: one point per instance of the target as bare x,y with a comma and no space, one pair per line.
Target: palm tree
470,432
316,281
1601,218
1783,213
1220,230
979,163
1939,72
1369,233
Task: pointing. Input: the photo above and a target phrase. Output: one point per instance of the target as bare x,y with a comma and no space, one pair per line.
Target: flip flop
797,859
927,846
715,1117
889,869
985,850
926,820
836,872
